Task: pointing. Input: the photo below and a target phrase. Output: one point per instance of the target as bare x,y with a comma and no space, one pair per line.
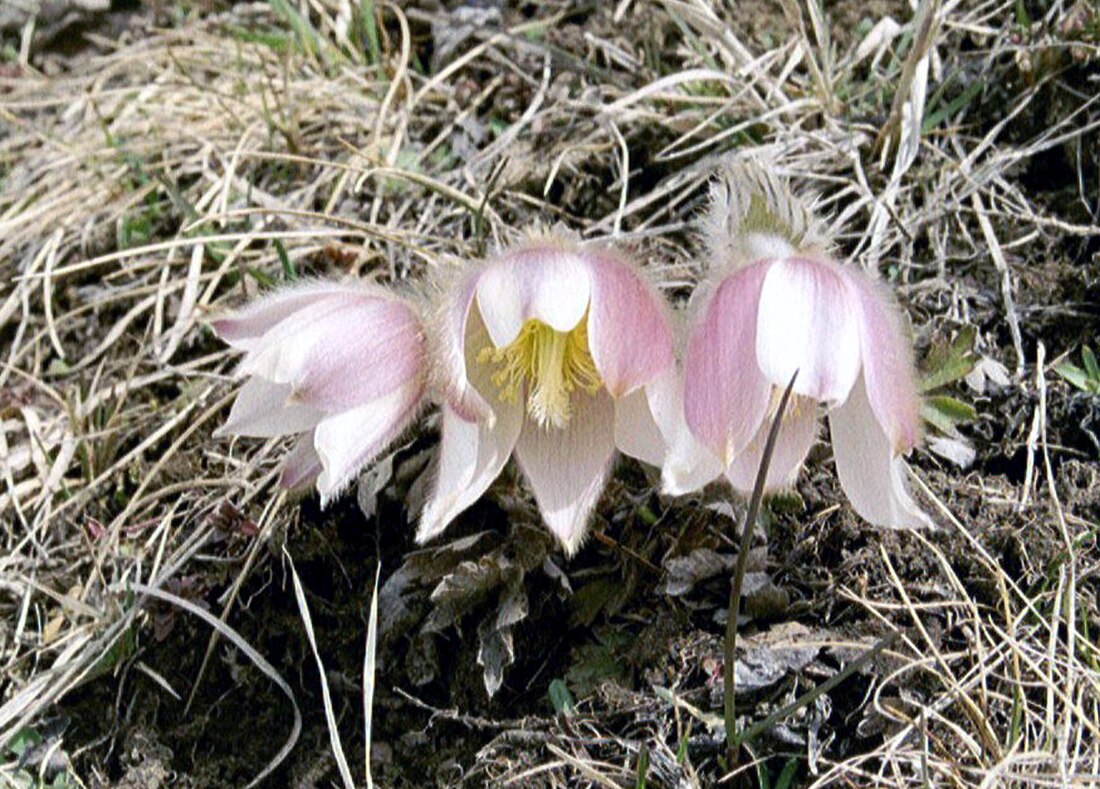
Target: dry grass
158,178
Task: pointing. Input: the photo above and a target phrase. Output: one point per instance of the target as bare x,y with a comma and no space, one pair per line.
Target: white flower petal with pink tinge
454,340
471,456
636,431
265,313
349,440
872,476
628,330
809,322
261,411
888,368
567,467
339,354
797,434
471,452
539,282
725,393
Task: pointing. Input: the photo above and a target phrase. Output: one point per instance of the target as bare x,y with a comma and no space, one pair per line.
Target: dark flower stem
730,652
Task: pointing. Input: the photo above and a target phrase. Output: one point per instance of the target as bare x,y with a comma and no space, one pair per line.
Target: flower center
546,366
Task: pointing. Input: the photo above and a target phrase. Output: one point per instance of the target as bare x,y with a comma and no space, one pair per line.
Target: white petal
809,321
471,456
873,478
688,465
261,411
544,282
796,436
348,441
567,467
636,431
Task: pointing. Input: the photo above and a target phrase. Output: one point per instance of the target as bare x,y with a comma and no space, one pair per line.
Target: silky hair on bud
753,213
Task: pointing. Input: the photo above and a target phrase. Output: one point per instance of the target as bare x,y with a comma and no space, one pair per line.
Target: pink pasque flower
775,302
341,364
546,350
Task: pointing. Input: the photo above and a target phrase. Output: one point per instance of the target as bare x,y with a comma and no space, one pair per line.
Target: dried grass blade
330,717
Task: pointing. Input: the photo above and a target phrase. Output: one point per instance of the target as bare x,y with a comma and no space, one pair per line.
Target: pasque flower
774,302
341,364
545,351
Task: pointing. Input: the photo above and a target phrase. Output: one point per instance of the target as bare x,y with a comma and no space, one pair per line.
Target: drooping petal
887,364
725,392
471,455
797,434
349,440
872,476
261,411
265,313
542,281
567,467
688,465
455,340
354,355
628,328
809,322
302,465
636,431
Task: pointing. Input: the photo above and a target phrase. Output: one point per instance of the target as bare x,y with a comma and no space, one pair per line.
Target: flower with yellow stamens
546,351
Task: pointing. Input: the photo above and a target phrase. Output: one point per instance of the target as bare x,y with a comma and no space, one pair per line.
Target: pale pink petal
809,321
461,336
302,464
354,355
270,353
872,476
888,365
265,313
541,281
796,436
471,456
261,411
567,467
636,431
725,393
628,328
348,441
688,465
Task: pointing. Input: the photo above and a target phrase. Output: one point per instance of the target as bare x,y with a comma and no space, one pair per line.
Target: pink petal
471,456
809,322
459,338
354,355
636,431
725,393
541,281
270,354
796,436
348,441
888,365
872,476
265,313
628,328
261,411
302,465
567,467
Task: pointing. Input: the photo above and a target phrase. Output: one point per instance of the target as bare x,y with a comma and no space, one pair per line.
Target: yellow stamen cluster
547,367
